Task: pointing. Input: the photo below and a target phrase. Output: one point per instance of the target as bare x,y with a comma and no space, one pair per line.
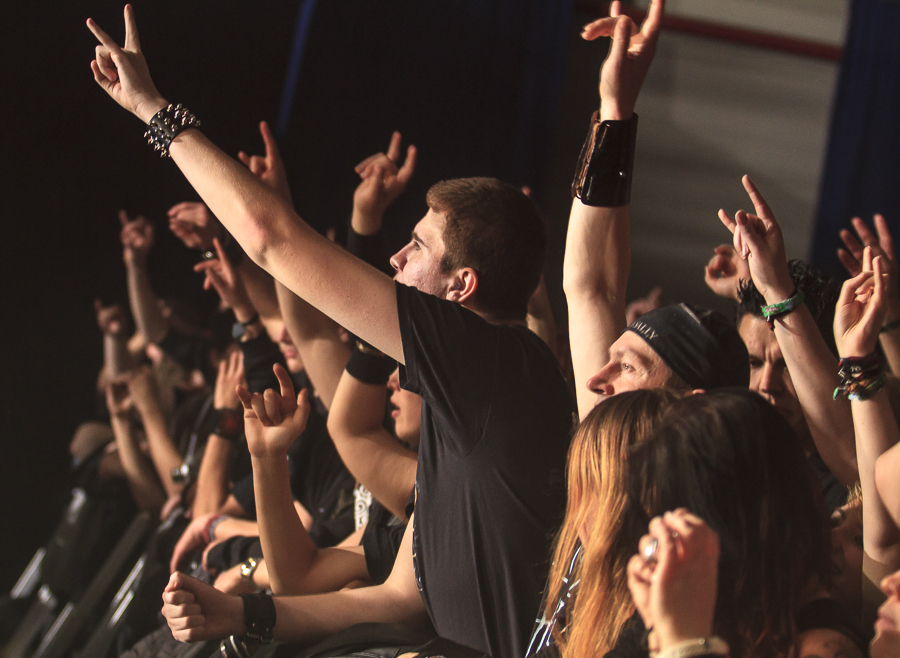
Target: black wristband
368,365
228,423
165,125
603,175
369,248
259,616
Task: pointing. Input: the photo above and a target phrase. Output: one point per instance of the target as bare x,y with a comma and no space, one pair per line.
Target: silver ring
649,552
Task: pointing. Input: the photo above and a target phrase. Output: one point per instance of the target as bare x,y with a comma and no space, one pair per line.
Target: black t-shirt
496,421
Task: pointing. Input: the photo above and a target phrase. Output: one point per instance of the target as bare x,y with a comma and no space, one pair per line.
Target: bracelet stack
774,311
165,126
861,377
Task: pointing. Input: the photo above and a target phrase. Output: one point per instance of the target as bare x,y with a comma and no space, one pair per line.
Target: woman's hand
674,578
272,422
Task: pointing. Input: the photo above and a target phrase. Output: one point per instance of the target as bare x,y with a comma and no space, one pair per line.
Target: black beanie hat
698,344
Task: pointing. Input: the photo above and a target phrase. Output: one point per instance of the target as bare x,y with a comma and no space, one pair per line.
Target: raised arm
273,421
374,457
137,239
859,316
163,452
352,293
852,258
213,475
598,243
813,368
142,480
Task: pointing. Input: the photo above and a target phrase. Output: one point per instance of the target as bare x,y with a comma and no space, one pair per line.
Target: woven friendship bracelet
770,313
165,126
861,377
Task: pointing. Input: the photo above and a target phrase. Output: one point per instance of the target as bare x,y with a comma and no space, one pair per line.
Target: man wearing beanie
683,347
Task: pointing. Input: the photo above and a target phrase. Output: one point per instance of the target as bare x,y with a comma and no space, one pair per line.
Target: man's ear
463,285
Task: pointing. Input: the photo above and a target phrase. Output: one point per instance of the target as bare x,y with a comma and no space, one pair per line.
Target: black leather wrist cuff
603,175
259,616
368,365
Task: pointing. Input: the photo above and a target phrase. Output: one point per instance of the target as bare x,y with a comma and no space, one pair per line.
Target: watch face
238,330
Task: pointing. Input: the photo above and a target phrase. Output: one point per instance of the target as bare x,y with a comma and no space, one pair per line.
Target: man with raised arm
496,411
680,346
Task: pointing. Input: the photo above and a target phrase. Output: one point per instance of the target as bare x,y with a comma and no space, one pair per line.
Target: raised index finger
132,41
759,203
284,379
650,28
102,36
393,152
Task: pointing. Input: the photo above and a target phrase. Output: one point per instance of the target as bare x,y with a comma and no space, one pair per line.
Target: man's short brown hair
495,229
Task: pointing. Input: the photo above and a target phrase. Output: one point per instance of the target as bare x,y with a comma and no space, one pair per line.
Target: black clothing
381,539
542,640
496,422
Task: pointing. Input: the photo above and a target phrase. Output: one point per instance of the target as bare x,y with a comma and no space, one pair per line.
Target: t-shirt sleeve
451,359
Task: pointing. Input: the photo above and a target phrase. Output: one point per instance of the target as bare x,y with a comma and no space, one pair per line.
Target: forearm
141,479
116,359
813,371
887,481
163,452
144,304
317,340
288,549
260,289
212,478
352,293
876,433
371,454
890,345
595,276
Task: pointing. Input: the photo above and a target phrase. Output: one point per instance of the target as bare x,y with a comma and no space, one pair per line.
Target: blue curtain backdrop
862,168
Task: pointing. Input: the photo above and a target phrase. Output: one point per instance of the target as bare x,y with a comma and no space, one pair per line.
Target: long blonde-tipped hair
596,502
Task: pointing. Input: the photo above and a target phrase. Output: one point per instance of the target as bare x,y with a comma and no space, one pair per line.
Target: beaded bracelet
165,126
773,311
861,377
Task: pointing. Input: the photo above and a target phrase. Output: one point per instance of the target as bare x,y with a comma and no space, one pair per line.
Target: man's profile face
632,366
418,264
769,375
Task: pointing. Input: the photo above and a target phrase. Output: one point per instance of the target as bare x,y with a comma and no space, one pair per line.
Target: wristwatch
248,567
238,329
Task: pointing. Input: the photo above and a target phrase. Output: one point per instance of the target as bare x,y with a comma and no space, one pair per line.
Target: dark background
473,84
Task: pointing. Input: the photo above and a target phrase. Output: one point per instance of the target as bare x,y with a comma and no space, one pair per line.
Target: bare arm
811,364
212,478
371,454
141,479
195,611
859,316
318,342
163,452
273,421
137,239
598,243
352,293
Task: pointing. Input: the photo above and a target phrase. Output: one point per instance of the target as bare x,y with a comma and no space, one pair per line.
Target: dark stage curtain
473,83
862,169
